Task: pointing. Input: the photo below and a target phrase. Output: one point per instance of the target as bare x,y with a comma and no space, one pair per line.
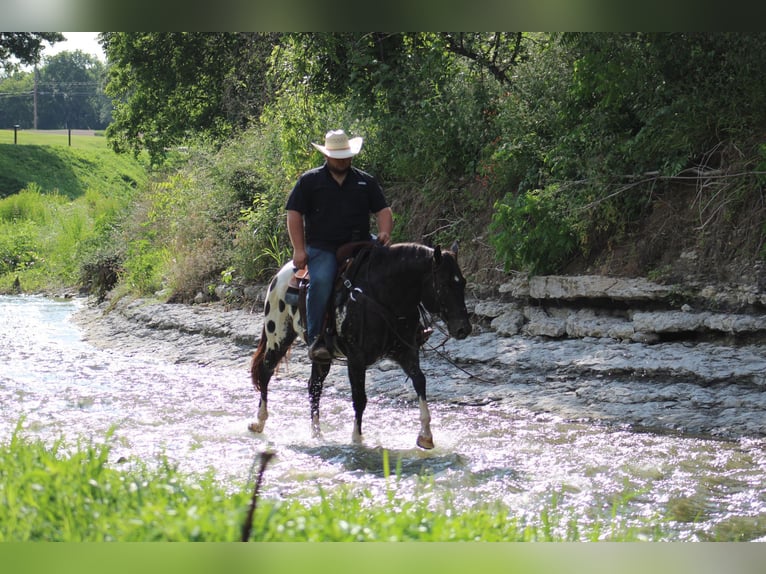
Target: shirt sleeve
296,200
377,198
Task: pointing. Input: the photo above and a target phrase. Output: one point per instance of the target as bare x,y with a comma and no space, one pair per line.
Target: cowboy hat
338,146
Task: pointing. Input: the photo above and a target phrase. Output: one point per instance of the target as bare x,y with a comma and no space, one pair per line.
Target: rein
357,295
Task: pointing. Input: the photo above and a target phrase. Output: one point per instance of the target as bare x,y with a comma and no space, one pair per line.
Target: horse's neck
403,287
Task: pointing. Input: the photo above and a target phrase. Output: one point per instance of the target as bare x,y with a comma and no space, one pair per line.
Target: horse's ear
455,247
437,255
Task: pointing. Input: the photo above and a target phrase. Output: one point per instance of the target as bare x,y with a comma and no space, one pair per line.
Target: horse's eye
456,279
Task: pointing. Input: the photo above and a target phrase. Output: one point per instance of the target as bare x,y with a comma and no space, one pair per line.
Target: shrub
533,231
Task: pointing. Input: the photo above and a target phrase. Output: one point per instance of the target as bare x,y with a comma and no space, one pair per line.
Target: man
331,205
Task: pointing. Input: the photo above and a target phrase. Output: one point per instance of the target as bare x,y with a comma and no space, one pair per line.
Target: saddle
297,287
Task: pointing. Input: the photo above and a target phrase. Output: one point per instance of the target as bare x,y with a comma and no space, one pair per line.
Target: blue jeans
322,269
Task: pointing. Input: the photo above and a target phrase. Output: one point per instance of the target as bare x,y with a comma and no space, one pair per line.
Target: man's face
339,166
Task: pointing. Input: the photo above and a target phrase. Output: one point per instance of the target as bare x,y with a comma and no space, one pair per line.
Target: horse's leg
319,373
264,362
281,325
411,365
425,438
262,386
356,376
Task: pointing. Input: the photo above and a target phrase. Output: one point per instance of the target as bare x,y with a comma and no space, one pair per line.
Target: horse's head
449,292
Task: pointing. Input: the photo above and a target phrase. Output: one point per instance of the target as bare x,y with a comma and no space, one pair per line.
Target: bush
533,231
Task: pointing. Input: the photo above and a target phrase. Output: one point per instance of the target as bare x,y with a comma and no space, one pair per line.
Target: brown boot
318,351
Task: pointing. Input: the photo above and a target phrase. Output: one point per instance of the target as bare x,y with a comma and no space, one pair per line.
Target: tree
70,92
428,97
169,87
16,100
26,47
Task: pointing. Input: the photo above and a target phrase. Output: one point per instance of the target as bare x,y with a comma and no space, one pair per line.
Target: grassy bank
72,493
59,207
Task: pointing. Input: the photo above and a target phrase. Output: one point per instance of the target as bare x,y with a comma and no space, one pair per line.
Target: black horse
377,314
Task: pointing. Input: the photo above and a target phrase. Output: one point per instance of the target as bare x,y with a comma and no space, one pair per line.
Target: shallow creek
59,383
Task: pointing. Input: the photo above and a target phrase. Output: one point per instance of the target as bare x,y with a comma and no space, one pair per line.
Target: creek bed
186,395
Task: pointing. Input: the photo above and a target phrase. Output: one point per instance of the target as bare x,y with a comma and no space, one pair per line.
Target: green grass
58,206
73,493
70,171
46,138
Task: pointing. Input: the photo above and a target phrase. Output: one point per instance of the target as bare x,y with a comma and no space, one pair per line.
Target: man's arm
385,221
297,238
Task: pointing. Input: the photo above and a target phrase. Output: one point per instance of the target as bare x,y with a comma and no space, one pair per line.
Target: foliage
539,151
626,108
171,86
66,91
537,233
70,93
26,47
422,111
74,493
16,102
221,211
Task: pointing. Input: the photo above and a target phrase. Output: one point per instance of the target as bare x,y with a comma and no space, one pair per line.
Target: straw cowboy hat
338,146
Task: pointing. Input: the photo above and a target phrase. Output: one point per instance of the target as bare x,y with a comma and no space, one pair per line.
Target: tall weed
30,204
75,493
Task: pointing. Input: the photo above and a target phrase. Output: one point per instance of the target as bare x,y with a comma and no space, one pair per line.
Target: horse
377,314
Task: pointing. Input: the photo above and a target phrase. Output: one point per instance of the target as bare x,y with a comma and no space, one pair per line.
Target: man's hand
300,258
385,221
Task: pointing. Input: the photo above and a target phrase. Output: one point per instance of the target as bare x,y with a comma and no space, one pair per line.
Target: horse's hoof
256,427
425,442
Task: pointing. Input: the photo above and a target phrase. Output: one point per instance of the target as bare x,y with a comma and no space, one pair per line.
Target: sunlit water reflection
61,386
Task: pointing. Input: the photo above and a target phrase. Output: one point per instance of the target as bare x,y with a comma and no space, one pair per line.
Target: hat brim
354,147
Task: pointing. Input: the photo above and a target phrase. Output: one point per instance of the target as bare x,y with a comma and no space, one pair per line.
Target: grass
57,138
73,493
58,206
50,163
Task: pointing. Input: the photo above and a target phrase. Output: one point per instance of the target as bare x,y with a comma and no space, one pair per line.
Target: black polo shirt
334,214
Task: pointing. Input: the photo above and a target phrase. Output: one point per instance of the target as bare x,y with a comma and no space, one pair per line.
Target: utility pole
34,100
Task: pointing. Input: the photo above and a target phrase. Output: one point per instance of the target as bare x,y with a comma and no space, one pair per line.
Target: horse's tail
256,364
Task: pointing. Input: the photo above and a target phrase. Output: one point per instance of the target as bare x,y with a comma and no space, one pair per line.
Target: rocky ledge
625,309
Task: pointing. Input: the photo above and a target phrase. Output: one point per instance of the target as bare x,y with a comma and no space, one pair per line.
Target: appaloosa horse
377,314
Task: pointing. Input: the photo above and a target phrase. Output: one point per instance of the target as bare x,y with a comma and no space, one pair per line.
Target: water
61,386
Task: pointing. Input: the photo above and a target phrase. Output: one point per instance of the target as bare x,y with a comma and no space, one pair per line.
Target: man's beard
340,171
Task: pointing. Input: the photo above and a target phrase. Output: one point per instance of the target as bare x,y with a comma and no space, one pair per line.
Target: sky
85,41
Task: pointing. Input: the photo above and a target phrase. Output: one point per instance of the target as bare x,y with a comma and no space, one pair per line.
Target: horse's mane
401,257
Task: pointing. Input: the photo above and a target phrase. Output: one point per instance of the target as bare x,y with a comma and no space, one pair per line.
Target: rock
669,322
735,324
254,293
201,297
586,323
596,287
221,292
542,324
518,288
491,309
509,323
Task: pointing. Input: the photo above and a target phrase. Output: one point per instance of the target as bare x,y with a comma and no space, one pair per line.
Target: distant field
80,138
